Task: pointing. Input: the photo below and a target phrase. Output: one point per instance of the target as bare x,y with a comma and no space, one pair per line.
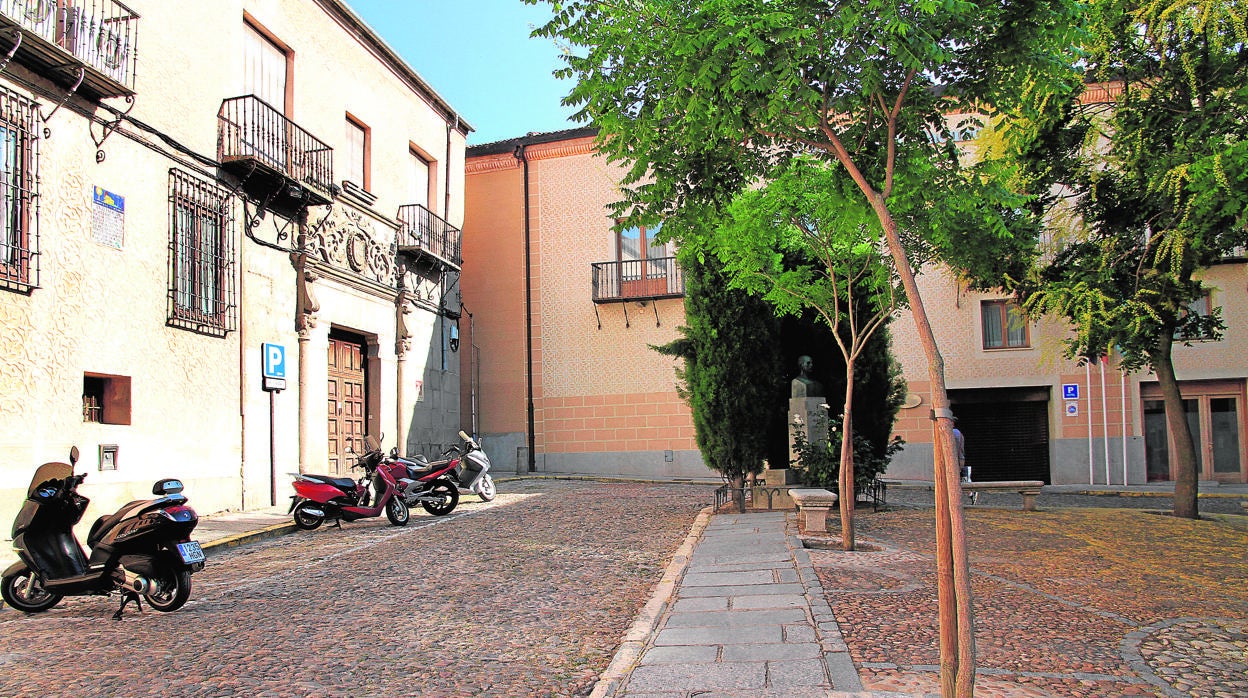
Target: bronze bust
805,385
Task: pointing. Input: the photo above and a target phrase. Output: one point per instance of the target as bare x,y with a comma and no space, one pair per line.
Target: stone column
305,322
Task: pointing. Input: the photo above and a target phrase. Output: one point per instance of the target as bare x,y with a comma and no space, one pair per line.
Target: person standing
959,447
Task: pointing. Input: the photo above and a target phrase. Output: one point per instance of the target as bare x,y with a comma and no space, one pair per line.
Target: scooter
472,473
319,498
144,548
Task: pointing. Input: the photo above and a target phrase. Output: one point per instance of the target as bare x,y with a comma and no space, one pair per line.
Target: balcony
279,164
422,232
59,37
637,280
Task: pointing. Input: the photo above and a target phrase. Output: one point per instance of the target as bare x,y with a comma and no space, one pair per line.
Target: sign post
273,360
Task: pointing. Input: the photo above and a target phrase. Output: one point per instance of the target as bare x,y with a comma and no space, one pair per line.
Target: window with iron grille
19,229
201,256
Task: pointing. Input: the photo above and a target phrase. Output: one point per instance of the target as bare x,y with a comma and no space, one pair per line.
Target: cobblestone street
1068,602
526,596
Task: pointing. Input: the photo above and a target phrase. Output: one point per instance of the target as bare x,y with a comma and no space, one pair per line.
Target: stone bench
813,506
1030,489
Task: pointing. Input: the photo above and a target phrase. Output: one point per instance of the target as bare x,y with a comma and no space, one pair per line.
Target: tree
1156,179
801,243
731,375
701,99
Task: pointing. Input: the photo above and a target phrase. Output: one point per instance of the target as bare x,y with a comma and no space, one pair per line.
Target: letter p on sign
274,361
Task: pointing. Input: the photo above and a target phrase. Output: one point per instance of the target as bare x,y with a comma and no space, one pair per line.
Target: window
357,153
19,233
418,179
201,256
1196,321
264,68
646,267
105,398
1004,325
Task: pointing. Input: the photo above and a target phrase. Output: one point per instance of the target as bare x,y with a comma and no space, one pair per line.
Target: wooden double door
347,392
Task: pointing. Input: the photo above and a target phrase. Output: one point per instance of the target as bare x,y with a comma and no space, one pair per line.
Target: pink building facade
561,313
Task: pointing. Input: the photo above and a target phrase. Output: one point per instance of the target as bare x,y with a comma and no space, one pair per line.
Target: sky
478,56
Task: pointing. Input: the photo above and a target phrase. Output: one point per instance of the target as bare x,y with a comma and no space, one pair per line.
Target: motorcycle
319,498
429,484
144,548
461,468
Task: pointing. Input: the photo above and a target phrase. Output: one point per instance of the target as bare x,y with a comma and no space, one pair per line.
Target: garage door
1006,431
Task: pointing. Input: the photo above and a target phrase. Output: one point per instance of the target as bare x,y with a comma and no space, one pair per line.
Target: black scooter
142,549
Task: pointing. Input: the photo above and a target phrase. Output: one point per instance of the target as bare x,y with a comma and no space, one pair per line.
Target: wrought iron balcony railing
425,231
637,280
100,34
252,132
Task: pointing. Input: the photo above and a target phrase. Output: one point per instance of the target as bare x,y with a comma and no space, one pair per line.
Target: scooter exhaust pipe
136,583
314,512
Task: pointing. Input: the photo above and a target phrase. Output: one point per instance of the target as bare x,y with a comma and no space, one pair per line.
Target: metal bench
813,506
1030,489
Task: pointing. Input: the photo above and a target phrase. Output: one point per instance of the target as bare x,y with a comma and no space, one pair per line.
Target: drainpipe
446,174
528,311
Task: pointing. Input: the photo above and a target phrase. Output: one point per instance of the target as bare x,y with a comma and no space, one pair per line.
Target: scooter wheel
22,591
170,590
397,512
305,519
485,489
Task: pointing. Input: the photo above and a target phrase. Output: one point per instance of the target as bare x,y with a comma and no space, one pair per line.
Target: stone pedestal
806,416
779,477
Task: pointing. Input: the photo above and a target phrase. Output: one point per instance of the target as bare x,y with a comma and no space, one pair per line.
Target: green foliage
732,375
1158,177
819,465
703,100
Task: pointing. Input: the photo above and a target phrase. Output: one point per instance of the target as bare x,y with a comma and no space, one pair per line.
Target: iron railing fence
424,229
100,33
252,129
637,279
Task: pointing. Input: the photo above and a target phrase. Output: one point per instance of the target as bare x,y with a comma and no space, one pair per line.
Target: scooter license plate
191,552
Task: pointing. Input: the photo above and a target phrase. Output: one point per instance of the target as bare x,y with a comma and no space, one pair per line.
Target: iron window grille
202,294
19,195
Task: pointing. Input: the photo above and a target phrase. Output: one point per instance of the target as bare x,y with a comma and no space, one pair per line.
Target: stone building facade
193,191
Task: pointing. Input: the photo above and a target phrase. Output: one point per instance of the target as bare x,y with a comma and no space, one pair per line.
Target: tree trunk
957,625
848,498
1185,464
737,483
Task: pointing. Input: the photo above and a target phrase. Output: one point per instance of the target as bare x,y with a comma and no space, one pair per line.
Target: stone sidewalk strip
743,614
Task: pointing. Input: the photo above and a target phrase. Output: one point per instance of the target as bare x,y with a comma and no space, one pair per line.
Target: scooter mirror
372,443
73,455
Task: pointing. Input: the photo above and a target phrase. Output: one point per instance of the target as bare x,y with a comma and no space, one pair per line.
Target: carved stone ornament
347,239
403,335
306,303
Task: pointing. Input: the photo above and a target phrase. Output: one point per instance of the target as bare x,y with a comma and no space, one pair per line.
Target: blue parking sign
274,360
1070,391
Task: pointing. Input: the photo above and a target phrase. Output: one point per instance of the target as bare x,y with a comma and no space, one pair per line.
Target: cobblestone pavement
526,596
1074,601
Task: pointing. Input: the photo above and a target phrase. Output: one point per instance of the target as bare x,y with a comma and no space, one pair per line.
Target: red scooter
319,498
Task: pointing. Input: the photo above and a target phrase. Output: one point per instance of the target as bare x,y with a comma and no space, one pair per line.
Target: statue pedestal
780,477
806,416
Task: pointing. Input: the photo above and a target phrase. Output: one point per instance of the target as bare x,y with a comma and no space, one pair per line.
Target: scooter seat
342,483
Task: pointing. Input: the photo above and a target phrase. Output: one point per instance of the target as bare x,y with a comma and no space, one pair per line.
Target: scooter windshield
49,471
